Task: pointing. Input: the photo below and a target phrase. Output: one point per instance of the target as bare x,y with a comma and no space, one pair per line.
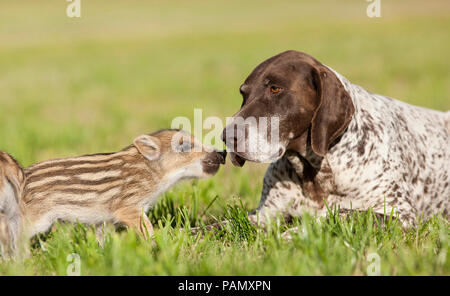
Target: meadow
73,86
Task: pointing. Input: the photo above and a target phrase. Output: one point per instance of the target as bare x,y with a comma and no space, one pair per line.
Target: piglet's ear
148,146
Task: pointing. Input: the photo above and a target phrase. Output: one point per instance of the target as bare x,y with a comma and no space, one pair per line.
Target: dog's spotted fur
391,156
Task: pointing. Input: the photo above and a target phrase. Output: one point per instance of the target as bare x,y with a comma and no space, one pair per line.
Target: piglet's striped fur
116,188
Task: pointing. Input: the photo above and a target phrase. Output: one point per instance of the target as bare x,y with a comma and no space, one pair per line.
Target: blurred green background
71,86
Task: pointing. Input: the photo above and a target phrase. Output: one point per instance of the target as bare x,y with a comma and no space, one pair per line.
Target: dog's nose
223,155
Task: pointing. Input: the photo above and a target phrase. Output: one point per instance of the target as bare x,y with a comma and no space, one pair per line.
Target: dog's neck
302,146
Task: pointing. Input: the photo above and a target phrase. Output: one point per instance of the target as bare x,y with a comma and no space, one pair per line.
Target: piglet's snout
233,134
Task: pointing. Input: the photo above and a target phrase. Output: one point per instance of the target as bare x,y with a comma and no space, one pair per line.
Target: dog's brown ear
334,111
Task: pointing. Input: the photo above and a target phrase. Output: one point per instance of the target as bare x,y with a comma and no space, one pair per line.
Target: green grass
78,86
325,247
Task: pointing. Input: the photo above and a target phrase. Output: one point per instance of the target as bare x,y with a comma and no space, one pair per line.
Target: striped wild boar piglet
11,182
117,188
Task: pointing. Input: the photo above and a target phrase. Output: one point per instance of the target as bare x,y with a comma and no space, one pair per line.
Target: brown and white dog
116,188
338,144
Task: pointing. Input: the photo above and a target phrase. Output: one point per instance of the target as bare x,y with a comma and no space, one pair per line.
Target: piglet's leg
135,219
5,237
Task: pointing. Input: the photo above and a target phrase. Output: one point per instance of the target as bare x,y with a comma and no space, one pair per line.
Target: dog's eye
275,89
184,146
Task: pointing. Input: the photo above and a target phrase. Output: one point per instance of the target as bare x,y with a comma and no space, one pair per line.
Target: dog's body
116,188
342,145
410,174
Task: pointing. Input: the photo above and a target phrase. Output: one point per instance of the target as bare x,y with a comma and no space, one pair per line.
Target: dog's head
284,98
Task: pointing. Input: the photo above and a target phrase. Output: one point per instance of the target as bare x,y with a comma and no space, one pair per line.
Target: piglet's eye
275,89
185,147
